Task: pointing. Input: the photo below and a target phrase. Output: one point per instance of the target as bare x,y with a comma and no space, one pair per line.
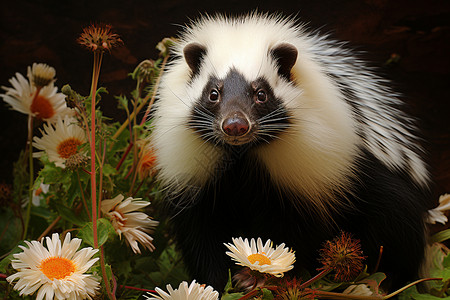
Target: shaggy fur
328,149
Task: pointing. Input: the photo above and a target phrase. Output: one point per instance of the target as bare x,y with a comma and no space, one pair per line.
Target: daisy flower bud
41,75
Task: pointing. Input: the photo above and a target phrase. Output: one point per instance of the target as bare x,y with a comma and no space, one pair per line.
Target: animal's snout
235,125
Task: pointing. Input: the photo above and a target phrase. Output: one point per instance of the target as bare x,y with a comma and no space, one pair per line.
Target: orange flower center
259,257
42,107
57,267
68,147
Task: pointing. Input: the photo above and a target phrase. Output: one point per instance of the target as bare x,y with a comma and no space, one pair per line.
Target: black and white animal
265,130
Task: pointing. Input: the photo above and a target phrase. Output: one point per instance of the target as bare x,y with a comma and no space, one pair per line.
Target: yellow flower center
259,257
57,267
42,107
68,147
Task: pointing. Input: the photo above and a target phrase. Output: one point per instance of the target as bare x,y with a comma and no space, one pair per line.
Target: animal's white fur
316,156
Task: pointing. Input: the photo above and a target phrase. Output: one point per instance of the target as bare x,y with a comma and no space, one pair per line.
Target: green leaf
170,268
446,261
122,102
233,296
267,294
104,229
67,214
441,236
412,293
228,294
109,170
445,274
229,284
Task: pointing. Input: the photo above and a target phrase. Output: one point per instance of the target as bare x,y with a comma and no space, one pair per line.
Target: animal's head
236,109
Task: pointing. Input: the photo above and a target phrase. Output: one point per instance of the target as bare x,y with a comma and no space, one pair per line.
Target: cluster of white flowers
39,98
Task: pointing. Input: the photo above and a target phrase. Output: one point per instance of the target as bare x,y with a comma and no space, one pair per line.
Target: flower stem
315,278
136,289
408,286
31,168
95,75
82,196
142,104
333,295
124,156
105,276
50,227
155,88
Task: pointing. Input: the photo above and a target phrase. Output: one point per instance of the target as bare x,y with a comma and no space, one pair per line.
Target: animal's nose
235,125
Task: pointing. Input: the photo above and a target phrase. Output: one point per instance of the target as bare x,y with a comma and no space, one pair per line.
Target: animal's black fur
240,200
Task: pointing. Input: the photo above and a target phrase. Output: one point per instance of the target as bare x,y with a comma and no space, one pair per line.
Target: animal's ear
285,55
193,54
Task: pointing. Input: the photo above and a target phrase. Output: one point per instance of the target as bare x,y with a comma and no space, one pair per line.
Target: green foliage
104,231
67,205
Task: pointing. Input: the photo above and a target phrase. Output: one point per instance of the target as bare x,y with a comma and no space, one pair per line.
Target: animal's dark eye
214,95
261,96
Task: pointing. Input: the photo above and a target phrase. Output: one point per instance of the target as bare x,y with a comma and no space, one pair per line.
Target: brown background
45,31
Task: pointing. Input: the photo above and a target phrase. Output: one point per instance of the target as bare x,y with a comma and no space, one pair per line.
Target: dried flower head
291,289
344,256
245,280
99,38
41,75
76,161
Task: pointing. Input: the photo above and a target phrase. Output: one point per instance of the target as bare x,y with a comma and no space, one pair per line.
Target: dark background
45,31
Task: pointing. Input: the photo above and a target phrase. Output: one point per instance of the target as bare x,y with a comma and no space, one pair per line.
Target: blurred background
409,41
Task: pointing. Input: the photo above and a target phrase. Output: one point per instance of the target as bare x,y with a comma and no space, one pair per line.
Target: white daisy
37,195
437,214
262,258
23,97
194,291
60,141
134,225
56,271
